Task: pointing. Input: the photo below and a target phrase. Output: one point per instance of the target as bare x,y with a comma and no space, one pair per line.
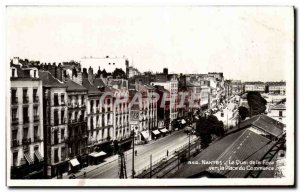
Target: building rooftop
72,86
91,88
50,81
240,144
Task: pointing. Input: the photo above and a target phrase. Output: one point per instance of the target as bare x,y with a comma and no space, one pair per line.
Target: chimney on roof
84,73
165,71
16,61
90,75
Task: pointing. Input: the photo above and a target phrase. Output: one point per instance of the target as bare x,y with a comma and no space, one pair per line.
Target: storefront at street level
30,169
74,165
96,157
163,131
155,134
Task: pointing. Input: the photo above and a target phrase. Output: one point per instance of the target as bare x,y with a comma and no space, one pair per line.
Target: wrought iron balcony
25,99
15,143
15,121
36,118
14,100
36,99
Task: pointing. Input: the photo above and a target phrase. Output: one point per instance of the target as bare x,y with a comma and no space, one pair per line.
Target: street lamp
133,138
189,133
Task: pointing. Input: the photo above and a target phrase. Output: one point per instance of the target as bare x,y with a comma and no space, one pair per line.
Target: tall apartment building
77,125
172,86
147,112
55,112
26,123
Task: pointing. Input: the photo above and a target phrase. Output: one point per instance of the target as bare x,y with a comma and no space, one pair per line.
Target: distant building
27,137
276,87
278,112
255,86
108,63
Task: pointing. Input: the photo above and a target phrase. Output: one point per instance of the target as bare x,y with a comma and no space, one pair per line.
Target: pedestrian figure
167,153
84,174
135,152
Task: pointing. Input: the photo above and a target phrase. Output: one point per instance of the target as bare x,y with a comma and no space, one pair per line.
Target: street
158,150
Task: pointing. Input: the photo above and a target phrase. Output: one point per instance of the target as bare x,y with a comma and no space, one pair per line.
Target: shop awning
28,158
74,162
163,130
145,134
183,121
97,154
38,155
156,132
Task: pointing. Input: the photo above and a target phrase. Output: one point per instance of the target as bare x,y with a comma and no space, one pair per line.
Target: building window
92,106
91,123
62,99
13,72
35,96
82,100
55,135
36,133
280,113
25,96
25,133
63,134
55,99
34,73
56,159
56,122
62,117
15,158
103,123
14,98
25,115
63,153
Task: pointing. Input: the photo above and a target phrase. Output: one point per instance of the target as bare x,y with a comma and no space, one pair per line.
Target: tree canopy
256,103
244,112
206,126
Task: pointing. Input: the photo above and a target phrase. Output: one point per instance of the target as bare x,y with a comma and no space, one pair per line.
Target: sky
246,43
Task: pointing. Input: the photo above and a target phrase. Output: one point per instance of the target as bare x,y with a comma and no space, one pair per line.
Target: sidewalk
108,160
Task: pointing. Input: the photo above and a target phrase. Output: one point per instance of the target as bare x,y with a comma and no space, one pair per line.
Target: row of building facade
64,117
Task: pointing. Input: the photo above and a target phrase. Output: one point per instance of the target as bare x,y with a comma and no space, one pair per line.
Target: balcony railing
15,121
14,100
36,118
26,120
63,121
15,143
36,99
55,123
25,99
37,139
26,141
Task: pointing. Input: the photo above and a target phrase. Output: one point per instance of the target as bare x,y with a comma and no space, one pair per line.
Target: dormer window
13,72
34,73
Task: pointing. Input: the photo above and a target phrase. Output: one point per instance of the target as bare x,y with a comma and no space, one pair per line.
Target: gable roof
91,88
72,86
241,145
99,83
50,81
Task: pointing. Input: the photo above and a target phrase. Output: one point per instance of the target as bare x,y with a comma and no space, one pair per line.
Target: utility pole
189,145
151,166
133,135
